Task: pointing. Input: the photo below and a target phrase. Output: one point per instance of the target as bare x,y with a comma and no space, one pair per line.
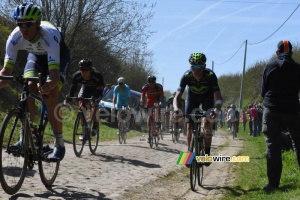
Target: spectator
244,120
280,89
254,117
106,89
259,110
250,120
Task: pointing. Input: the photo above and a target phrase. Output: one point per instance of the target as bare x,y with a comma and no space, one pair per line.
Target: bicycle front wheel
13,159
201,153
151,129
193,167
121,132
94,140
48,170
78,134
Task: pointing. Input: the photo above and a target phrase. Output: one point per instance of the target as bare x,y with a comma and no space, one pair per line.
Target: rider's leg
55,115
95,118
208,135
189,135
31,105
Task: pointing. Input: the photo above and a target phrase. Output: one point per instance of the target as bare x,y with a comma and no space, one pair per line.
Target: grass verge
253,175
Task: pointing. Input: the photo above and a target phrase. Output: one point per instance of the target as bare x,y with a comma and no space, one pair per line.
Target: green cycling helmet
27,11
197,59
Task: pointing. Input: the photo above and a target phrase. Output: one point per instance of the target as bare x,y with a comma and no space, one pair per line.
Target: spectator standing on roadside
250,120
254,117
280,89
244,120
259,110
106,89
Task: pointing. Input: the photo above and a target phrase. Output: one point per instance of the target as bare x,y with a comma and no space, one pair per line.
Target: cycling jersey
181,103
153,94
199,92
48,52
122,95
92,87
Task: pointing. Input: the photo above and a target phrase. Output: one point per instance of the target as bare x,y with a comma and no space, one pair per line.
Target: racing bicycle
35,145
123,125
154,128
82,131
197,146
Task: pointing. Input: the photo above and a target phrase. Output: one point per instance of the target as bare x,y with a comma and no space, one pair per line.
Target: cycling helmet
197,59
121,80
232,105
27,11
85,64
151,78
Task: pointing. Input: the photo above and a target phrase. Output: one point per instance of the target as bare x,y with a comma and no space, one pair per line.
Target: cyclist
170,109
203,87
155,93
121,97
232,117
91,86
47,54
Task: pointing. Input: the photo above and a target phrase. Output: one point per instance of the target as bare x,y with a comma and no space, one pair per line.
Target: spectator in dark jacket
280,88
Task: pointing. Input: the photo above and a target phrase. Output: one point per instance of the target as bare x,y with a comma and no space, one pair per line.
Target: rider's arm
52,82
128,95
100,86
143,96
176,100
5,72
114,101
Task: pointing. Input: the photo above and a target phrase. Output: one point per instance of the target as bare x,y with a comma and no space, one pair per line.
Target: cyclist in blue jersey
47,54
202,89
121,97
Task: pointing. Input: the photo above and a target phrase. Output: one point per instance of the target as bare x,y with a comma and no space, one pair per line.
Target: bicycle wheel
125,133
150,131
201,153
94,141
121,131
193,167
48,170
13,160
78,134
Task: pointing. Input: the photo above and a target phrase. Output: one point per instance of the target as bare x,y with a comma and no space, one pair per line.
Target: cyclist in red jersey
155,93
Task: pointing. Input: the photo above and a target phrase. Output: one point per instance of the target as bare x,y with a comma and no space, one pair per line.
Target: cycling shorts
194,101
39,64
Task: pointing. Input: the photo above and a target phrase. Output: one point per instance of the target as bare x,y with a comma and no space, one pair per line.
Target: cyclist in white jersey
48,54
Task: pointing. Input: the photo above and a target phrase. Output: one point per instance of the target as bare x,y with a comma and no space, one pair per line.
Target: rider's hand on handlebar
213,114
66,103
176,114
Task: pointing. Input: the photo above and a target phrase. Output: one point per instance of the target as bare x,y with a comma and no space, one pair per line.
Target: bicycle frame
33,147
84,121
23,107
197,144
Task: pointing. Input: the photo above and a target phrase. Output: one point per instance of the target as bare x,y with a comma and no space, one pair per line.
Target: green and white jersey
47,44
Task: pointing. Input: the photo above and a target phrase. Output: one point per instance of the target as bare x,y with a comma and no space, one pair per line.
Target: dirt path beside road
132,171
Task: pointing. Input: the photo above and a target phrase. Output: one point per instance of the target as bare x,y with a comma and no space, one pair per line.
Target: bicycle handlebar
20,78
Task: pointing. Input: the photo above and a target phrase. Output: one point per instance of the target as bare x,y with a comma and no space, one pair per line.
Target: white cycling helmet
121,80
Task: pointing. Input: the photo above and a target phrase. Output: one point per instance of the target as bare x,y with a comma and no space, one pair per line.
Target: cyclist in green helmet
47,54
203,88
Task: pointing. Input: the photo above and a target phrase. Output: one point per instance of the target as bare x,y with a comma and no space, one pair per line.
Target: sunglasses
26,24
197,66
151,81
121,83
